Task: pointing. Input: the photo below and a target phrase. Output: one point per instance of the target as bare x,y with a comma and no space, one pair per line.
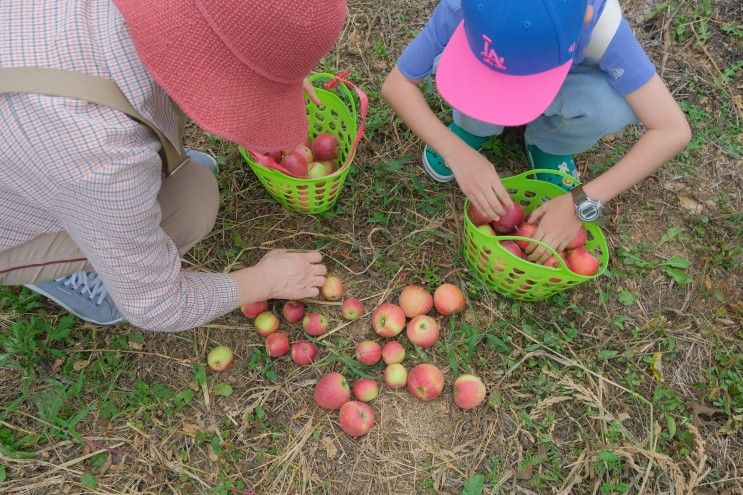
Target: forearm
653,149
408,102
251,285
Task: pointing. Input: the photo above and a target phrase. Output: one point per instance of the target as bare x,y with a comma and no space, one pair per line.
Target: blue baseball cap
507,59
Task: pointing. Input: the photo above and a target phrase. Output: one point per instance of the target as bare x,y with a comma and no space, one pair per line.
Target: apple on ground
476,216
295,164
395,376
251,310
388,320
331,391
356,418
325,146
469,391
368,352
333,289
580,238
526,230
423,331
293,311
304,352
266,323
315,324
510,219
277,344
582,262
513,248
426,382
415,300
486,229
220,358
393,352
448,299
352,309
365,390
315,170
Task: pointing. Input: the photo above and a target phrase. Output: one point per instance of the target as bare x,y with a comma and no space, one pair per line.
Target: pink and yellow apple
395,376
251,310
423,331
333,288
356,418
277,344
368,352
315,324
352,309
331,391
220,358
365,390
293,311
469,391
415,300
388,320
448,299
304,352
266,323
393,352
426,382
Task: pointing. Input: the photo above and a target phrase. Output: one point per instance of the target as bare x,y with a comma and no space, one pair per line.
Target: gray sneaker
83,295
204,159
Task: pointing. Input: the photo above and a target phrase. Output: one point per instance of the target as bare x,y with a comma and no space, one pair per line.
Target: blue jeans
585,110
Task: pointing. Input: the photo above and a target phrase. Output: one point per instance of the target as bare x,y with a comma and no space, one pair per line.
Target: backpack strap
94,89
604,30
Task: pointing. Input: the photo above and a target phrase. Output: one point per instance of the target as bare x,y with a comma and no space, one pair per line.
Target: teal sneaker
561,163
436,166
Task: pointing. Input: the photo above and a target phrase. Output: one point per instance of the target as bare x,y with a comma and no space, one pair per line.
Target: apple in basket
325,147
319,169
509,220
513,247
477,217
304,151
295,164
274,155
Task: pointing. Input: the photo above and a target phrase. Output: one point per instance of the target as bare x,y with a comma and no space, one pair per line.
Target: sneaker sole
60,303
432,173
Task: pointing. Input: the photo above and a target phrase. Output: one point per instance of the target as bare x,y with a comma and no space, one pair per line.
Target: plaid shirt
91,171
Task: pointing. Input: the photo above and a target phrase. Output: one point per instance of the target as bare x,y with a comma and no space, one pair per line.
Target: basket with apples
494,251
308,177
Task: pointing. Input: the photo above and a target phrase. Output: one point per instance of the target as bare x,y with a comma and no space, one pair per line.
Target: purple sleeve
417,60
625,62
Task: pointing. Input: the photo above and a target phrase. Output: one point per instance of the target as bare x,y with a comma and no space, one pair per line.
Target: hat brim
212,86
493,97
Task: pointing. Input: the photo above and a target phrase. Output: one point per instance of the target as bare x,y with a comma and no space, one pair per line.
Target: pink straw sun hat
235,67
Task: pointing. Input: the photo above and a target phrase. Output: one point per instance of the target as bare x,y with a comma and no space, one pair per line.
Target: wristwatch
586,209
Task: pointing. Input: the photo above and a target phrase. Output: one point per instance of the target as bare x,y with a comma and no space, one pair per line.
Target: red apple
423,331
426,382
295,164
277,344
304,151
514,248
352,309
509,220
477,217
526,230
388,320
304,352
552,261
356,418
395,376
251,310
331,391
580,238
469,391
316,170
266,323
368,352
582,262
365,390
486,229
274,155
315,324
393,352
293,311
415,300
220,358
448,299
325,147
333,289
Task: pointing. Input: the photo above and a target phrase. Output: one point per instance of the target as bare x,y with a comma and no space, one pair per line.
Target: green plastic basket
517,278
338,117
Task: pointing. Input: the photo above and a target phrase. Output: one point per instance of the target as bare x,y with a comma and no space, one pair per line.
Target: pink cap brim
493,97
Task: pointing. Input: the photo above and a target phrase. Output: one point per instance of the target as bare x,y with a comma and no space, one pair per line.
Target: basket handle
529,173
364,102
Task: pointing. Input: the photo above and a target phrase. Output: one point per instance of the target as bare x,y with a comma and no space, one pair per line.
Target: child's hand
480,182
557,227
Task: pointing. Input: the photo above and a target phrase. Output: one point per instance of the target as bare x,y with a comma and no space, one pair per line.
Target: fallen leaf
190,428
330,449
674,186
708,282
57,364
80,365
137,346
302,412
656,366
692,206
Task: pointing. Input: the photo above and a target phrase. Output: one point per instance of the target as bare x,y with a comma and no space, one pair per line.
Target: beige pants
189,200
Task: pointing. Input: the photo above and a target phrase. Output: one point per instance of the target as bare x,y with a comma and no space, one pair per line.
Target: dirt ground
632,384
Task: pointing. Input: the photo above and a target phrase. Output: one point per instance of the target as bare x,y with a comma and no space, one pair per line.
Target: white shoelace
92,287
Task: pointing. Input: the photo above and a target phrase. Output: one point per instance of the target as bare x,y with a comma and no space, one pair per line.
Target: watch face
588,211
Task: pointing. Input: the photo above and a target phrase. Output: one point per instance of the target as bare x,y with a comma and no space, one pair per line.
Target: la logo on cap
489,55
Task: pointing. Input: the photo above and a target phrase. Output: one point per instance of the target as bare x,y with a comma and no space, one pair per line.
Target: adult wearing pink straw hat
98,199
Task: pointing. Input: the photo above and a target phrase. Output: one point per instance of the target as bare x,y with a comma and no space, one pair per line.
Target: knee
203,205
